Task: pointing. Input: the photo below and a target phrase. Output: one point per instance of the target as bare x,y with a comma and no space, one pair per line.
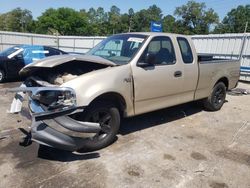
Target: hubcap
104,118
219,96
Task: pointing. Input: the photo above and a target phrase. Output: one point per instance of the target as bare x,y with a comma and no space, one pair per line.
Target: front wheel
217,98
107,114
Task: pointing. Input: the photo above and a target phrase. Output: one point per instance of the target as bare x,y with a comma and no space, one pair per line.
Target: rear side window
186,52
51,52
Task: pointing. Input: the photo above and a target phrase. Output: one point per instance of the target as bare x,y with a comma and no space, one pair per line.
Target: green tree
65,21
18,20
114,18
97,19
169,24
154,13
131,14
196,18
2,23
191,18
235,21
101,15
143,18
124,23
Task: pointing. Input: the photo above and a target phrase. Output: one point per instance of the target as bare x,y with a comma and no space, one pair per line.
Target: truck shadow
140,122
128,125
54,154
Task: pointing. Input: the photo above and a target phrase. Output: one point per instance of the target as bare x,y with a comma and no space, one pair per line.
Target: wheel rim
219,96
104,118
1,75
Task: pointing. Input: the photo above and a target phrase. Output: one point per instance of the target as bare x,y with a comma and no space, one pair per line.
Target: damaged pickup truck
77,101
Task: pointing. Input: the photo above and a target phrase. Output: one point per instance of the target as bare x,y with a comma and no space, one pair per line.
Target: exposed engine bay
62,73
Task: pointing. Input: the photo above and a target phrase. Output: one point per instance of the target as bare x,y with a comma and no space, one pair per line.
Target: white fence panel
66,43
230,46
45,40
10,39
219,44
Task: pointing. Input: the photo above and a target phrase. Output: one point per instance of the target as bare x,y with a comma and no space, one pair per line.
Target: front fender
113,79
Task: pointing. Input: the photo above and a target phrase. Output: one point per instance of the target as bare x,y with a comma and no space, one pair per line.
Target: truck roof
158,34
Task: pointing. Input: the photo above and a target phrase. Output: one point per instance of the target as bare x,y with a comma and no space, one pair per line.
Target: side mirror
149,60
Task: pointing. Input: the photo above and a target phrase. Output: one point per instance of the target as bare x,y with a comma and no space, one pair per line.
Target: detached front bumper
58,111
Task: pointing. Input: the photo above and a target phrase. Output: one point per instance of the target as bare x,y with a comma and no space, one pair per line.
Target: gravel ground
183,146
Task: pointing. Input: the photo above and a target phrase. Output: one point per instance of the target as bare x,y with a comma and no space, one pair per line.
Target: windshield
9,51
119,49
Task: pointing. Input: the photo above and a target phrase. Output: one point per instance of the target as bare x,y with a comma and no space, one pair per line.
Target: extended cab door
159,85
190,68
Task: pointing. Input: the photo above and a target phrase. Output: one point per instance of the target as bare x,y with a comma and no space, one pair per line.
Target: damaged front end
54,103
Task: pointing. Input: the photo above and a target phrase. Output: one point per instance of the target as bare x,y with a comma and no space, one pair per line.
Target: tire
2,76
217,98
110,126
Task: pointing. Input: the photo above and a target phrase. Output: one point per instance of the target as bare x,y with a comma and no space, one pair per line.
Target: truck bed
211,69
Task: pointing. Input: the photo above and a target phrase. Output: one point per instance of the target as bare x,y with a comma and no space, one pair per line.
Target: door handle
177,74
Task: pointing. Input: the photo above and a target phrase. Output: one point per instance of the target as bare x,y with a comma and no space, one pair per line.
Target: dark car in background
13,59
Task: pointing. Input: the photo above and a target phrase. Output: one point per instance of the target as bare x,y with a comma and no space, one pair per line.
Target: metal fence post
57,40
32,42
242,46
93,44
74,47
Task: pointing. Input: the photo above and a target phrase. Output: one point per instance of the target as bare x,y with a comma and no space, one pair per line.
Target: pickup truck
78,101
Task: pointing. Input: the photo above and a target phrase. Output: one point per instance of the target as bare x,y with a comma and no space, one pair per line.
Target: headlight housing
54,98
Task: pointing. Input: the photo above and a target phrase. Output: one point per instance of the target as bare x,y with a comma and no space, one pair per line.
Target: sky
167,6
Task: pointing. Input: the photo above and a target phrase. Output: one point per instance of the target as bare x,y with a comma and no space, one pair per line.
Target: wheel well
115,98
224,80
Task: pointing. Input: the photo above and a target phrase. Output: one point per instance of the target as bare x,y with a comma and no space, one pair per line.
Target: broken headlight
54,98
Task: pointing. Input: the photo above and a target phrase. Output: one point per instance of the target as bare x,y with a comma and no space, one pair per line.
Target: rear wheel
107,114
2,76
217,98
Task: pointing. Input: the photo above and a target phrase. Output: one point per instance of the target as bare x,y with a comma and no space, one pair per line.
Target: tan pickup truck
123,76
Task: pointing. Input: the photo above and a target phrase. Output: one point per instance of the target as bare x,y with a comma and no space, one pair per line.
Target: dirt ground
183,146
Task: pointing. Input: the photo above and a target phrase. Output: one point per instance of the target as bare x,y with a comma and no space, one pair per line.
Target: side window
163,50
186,52
34,53
27,53
51,52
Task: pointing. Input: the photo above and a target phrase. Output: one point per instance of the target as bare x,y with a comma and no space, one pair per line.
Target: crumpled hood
54,61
